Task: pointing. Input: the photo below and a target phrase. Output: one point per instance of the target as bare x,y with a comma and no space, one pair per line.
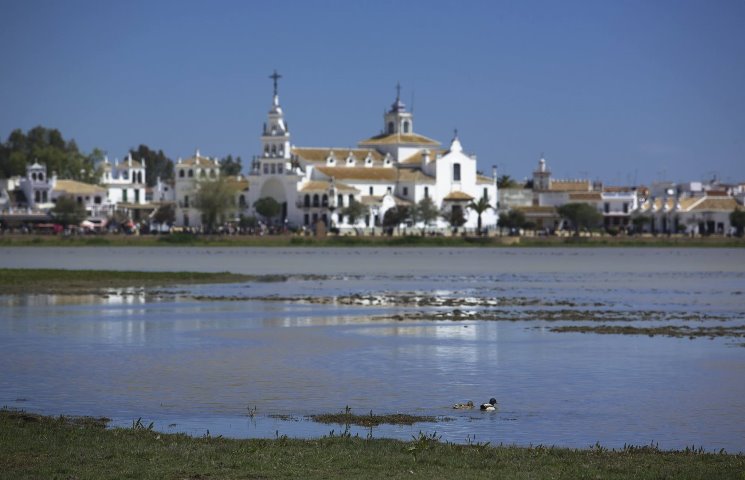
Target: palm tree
480,206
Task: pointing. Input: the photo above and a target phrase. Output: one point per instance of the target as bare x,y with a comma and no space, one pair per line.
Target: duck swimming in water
491,406
462,406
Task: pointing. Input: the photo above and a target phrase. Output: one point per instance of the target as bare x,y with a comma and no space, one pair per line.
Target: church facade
398,167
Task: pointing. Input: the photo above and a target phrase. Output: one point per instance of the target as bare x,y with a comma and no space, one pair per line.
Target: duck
491,406
462,406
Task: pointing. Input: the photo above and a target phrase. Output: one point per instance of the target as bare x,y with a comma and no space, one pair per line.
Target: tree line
47,146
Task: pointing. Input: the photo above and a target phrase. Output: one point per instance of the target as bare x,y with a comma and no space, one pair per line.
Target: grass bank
189,240
20,280
32,446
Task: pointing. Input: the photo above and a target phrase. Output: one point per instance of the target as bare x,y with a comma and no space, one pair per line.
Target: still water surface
193,366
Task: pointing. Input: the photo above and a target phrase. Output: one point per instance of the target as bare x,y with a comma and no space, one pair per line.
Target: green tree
247,221
355,211
505,181
580,215
268,208
394,217
480,207
48,147
737,220
639,221
215,198
454,215
157,164
424,211
68,212
230,166
165,214
515,219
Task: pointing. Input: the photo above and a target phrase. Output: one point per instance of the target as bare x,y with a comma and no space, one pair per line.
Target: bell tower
275,139
397,119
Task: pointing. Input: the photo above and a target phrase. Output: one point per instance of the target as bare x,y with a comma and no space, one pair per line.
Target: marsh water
257,359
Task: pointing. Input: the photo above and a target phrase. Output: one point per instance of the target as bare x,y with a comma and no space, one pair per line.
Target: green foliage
424,211
355,210
215,199
43,447
48,147
157,164
68,212
737,220
639,221
395,216
580,215
453,215
247,221
268,208
230,166
513,219
505,181
165,214
480,206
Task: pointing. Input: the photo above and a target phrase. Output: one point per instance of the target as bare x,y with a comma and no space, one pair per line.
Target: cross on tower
275,76
398,90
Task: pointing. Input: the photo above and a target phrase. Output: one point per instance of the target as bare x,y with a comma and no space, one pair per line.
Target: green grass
20,280
34,447
183,239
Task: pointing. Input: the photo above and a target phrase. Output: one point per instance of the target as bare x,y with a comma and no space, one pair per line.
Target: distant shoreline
186,240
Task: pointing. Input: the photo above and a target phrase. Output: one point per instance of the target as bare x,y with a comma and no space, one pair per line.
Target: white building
397,167
188,173
124,181
37,187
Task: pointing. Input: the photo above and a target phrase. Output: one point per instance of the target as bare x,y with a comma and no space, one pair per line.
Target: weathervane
275,76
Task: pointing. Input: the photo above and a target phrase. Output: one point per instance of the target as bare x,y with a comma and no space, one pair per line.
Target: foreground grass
32,446
20,280
188,240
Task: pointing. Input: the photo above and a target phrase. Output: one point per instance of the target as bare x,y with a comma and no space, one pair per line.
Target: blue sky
611,90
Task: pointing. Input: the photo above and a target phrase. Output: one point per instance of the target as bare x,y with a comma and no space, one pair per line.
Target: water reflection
200,364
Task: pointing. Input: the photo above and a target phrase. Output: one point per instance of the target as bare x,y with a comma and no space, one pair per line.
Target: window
625,208
306,202
273,168
212,173
406,191
279,168
607,207
390,127
426,192
486,193
406,127
125,174
202,173
456,172
44,197
371,190
97,200
124,195
41,177
181,173
316,202
191,173
186,201
325,200
351,198
242,200
388,189
306,219
33,176
340,200
137,195
37,196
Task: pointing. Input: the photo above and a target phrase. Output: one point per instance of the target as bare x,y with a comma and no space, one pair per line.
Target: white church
314,184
